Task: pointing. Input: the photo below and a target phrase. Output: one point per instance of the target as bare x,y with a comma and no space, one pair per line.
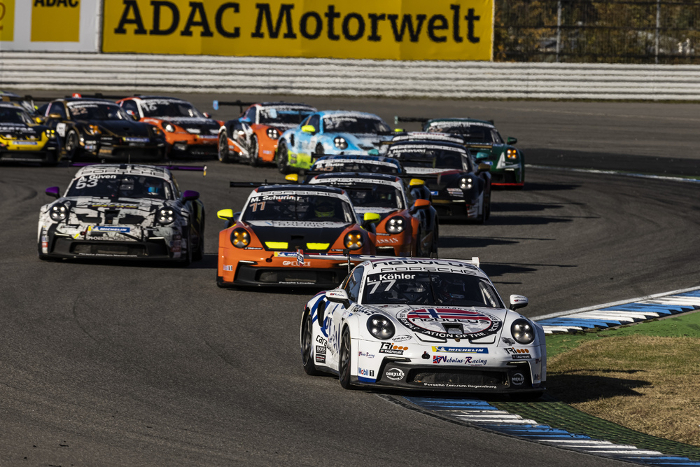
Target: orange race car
266,243
188,132
253,136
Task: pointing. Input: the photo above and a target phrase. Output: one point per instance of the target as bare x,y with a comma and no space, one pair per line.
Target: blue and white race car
330,132
419,323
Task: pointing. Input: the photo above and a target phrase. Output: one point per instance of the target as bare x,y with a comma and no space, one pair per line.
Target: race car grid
482,414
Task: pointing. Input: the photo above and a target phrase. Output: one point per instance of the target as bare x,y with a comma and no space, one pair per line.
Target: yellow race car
24,138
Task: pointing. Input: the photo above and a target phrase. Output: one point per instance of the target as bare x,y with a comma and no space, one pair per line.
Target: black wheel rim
306,341
345,358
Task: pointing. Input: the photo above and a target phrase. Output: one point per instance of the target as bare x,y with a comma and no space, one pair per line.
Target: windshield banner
362,29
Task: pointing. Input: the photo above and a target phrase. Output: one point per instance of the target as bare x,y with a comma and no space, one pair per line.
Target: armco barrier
435,79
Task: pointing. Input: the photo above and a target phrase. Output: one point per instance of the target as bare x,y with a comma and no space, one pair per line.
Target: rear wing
217,104
356,259
257,184
190,168
398,119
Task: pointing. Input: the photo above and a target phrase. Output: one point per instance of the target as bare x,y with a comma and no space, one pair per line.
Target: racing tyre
345,359
199,254
187,260
282,157
72,145
254,160
319,150
223,149
307,344
434,245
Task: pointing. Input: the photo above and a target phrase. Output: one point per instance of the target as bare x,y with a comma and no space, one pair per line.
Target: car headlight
58,212
511,154
340,142
353,241
169,127
394,225
92,130
157,131
466,183
165,216
522,331
240,238
380,327
272,133
51,134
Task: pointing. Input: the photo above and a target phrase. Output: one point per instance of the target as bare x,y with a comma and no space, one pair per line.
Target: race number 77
390,284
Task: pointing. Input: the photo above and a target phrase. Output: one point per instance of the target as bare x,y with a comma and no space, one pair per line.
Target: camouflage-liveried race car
122,212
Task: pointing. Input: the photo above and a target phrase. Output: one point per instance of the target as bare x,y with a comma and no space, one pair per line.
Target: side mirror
416,182
292,178
371,218
338,296
308,129
53,192
517,301
399,130
511,140
485,167
39,119
190,195
206,115
482,155
225,214
421,204
55,116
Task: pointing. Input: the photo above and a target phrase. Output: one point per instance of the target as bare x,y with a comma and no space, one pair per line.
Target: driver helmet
152,187
324,208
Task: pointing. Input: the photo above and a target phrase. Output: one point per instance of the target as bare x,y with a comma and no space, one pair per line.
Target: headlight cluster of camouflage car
361,209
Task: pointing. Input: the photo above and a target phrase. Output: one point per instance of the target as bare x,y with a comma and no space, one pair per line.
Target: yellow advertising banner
7,20
387,29
55,21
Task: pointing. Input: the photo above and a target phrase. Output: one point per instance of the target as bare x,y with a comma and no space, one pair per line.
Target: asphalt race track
150,364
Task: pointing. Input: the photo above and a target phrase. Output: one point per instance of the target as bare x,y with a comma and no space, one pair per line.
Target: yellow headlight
512,154
93,130
240,238
353,241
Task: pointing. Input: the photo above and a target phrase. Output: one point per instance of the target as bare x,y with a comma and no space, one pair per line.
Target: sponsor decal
365,372
136,139
401,338
392,240
113,206
393,277
320,358
437,359
321,341
365,354
55,21
430,321
446,349
106,228
475,361
320,349
460,386
518,354
456,192
296,263
228,267
394,374
400,30
517,379
392,349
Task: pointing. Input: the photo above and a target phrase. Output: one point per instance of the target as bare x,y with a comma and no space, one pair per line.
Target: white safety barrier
329,77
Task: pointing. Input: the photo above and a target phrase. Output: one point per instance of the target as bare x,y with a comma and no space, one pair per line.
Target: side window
58,108
305,122
353,285
314,121
496,137
131,107
250,114
177,188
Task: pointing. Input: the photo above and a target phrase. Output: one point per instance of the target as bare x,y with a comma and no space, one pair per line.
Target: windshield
169,108
431,158
120,186
292,206
355,166
429,288
470,133
97,111
283,115
365,195
360,125
14,115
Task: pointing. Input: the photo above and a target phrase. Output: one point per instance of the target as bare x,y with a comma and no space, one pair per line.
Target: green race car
486,144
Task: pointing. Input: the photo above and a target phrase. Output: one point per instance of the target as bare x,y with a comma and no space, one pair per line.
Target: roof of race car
423,264
86,100
422,143
319,188
461,122
285,104
118,169
12,105
347,113
162,98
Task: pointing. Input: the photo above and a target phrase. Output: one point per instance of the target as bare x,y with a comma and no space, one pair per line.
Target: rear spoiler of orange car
216,104
191,168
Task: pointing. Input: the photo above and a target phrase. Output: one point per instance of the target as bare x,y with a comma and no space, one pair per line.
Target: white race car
429,324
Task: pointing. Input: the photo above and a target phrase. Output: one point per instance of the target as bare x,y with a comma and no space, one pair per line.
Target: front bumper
194,147
456,208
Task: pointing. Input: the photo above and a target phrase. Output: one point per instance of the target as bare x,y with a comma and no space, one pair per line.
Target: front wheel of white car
307,343
345,358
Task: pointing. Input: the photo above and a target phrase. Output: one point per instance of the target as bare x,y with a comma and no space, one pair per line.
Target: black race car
91,128
24,139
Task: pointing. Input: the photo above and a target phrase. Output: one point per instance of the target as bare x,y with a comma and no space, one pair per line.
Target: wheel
307,344
253,160
72,144
199,254
187,259
223,148
434,245
51,159
420,252
282,157
319,150
345,359
488,209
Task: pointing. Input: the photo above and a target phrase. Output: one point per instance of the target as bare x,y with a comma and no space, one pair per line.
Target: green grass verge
685,325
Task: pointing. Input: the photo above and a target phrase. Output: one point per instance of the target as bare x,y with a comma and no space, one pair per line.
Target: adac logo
57,3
